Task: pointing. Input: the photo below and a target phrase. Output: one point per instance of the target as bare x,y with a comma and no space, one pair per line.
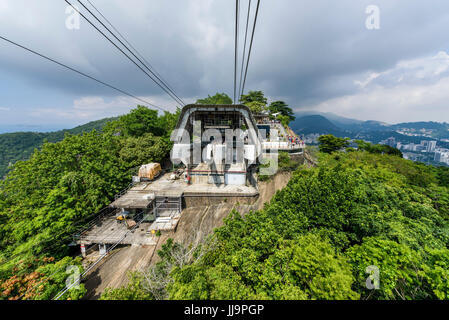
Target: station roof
170,193
216,107
132,200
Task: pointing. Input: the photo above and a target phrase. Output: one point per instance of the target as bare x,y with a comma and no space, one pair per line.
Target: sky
322,55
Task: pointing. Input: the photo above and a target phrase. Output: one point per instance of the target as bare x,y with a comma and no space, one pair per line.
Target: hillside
422,125
438,129
20,145
318,238
328,123
315,124
374,131
46,198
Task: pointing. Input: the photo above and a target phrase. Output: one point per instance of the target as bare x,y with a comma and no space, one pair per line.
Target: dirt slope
112,272
198,222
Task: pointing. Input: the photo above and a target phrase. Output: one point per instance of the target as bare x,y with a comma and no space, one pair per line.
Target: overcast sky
313,54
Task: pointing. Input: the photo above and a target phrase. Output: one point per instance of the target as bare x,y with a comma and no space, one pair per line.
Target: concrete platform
283,144
110,232
168,221
164,186
212,190
133,199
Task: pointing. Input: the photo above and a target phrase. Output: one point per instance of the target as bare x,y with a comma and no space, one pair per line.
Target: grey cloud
305,51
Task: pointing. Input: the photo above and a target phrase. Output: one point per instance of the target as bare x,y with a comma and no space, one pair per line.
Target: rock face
197,223
113,271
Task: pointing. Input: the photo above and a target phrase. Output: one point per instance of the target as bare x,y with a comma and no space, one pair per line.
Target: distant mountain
336,119
355,125
343,123
369,125
382,126
20,145
315,124
308,122
422,125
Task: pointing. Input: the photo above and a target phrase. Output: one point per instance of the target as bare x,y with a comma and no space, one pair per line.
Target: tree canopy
255,100
330,143
254,96
45,199
378,148
19,146
218,98
282,108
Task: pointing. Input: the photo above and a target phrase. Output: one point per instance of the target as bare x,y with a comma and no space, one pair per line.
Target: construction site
216,158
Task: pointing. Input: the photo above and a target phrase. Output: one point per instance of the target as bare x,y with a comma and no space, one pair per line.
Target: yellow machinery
150,171
123,216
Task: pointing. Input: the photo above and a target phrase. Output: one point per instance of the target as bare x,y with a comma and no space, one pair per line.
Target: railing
107,211
123,192
169,206
67,288
102,214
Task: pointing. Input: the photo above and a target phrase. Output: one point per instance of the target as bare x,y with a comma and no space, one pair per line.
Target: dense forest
322,237
45,199
20,145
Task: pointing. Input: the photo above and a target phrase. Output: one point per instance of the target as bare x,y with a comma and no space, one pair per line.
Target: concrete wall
205,214
193,202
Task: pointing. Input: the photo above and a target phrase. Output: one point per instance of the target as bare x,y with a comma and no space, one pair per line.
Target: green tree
398,267
134,290
436,272
19,146
330,143
255,100
256,106
254,96
285,120
282,108
378,148
44,282
145,149
143,120
310,265
218,98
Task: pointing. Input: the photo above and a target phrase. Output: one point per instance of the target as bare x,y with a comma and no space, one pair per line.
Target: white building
442,155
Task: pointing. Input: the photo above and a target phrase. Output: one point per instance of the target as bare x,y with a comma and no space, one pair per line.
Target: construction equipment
149,172
130,223
123,216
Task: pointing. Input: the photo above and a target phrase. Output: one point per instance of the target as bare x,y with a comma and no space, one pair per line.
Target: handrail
100,216
124,191
90,267
102,213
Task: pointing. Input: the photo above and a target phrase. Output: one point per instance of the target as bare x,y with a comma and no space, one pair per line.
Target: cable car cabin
218,144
